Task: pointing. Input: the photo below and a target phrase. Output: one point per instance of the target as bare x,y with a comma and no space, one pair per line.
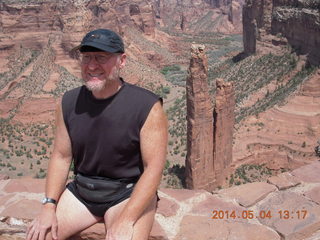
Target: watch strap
48,200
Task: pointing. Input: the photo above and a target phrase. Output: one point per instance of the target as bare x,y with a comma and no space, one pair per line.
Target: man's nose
93,62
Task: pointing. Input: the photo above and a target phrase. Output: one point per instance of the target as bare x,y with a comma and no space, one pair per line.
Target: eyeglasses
101,59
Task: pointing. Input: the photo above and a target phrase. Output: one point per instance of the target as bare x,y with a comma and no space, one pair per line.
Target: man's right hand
46,221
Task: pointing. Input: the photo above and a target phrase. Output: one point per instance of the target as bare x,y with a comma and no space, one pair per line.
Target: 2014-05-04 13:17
262,214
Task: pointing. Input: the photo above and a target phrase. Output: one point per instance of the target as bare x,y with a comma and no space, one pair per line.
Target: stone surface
193,218
248,194
314,194
199,161
315,236
4,198
182,194
213,203
283,181
167,207
157,232
204,228
25,209
291,222
32,185
308,173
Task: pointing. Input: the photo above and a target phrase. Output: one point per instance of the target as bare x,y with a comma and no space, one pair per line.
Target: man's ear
123,59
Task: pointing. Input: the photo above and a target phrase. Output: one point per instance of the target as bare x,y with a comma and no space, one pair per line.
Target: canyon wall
199,15
71,20
289,19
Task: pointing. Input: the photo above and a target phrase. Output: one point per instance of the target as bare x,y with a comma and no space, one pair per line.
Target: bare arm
153,140
61,158
58,170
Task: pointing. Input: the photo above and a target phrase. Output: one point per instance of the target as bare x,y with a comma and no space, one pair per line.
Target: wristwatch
48,200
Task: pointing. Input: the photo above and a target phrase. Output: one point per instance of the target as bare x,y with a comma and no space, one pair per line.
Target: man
116,133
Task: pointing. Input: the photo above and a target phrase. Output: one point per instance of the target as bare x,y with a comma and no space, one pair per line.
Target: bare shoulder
156,118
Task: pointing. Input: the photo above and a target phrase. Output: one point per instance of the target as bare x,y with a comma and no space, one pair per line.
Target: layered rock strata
199,161
295,20
199,15
224,119
291,20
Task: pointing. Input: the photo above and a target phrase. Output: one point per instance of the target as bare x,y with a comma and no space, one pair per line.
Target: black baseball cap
101,40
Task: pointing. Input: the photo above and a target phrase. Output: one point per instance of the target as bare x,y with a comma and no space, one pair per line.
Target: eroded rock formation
199,161
224,119
200,15
209,133
293,20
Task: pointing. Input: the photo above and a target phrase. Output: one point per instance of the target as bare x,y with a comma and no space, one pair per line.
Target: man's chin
95,86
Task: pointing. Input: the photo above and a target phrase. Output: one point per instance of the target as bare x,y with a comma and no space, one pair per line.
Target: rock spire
199,161
209,132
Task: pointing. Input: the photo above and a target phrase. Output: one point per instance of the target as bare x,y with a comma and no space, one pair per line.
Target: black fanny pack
102,190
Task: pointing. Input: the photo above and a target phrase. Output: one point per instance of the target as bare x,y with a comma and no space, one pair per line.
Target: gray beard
98,86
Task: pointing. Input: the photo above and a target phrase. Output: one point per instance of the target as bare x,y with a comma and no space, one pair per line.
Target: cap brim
96,45
75,48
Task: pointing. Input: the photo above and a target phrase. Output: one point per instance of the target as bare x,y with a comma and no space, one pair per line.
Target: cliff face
73,19
199,15
199,161
295,20
291,19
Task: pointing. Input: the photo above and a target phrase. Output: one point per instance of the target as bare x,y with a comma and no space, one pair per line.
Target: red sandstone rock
297,23
26,209
308,173
199,160
167,207
292,225
261,18
249,30
315,236
314,194
188,16
224,119
182,194
248,194
4,198
283,181
157,232
30,185
212,205
204,228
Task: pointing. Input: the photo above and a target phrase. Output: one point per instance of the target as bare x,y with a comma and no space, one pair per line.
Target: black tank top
105,134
